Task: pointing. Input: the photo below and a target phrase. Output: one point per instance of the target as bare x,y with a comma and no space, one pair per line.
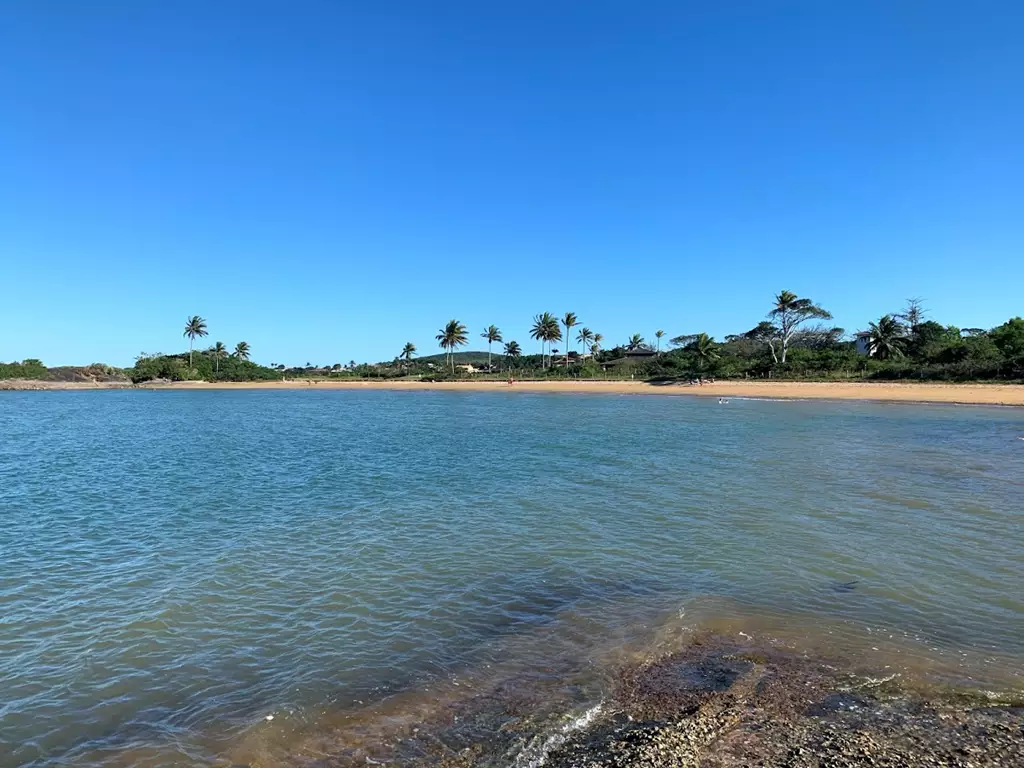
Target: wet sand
967,394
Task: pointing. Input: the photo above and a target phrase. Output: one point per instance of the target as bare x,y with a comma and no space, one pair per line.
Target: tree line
794,340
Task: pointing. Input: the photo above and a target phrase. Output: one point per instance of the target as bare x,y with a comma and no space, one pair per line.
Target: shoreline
682,695
950,394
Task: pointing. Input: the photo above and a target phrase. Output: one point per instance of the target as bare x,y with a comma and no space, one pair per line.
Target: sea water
225,577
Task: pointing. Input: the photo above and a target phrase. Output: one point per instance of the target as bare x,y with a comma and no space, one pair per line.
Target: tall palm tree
408,351
242,350
704,348
585,337
658,334
887,338
568,321
217,351
595,343
450,337
512,350
195,327
788,314
492,334
545,330
636,341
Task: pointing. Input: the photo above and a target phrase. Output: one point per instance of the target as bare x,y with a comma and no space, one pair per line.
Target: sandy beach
965,394
972,394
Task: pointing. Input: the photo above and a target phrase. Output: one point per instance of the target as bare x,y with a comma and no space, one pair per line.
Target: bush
26,369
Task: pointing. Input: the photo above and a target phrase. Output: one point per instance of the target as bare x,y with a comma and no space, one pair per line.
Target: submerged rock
715,704
770,708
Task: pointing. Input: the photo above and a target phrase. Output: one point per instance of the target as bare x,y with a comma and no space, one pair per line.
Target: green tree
545,330
218,351
636,341
569,321
493,335
242,350
512,350
658,334
586,338
407,352
788,314
195,327
1009,339
704,349
595,344
452,336
887,339
913,314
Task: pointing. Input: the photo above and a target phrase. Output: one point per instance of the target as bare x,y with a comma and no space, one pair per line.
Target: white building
863,343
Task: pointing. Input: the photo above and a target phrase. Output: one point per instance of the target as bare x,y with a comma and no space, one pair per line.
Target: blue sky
328,180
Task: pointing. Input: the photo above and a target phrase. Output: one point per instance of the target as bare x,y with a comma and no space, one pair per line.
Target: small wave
535,754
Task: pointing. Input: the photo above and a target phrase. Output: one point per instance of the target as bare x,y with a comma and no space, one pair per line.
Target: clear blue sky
328,180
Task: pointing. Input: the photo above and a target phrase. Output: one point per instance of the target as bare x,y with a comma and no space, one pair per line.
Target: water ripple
177,565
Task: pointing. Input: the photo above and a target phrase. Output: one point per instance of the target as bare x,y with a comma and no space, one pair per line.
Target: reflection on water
180,566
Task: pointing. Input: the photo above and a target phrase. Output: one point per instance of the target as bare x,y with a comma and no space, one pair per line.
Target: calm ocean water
176,567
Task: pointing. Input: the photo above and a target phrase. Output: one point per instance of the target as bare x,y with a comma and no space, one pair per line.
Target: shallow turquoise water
176,565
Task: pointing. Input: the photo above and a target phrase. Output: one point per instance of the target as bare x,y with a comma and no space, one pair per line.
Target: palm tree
636,341
788,314
568,321
545,330
195,327
595,343
217,351
585,337
512,350
703,348
492,334
451,336
407,352
658,334
887,338
242,350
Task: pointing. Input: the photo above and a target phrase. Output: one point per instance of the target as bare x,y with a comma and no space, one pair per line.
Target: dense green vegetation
33,369
26,369
793,342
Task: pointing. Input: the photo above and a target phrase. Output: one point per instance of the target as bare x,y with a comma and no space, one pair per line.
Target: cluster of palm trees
195,328
547,329
788,314
455,335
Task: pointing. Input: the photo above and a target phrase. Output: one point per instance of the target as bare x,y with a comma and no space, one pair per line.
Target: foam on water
535,754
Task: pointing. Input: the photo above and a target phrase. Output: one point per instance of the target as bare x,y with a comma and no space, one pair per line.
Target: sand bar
970,394
966,394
